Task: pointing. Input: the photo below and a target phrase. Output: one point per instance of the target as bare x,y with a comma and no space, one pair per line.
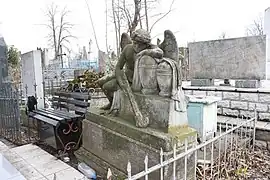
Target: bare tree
256,28
163,15
59,28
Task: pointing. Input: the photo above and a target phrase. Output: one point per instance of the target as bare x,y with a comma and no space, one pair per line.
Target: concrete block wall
242,103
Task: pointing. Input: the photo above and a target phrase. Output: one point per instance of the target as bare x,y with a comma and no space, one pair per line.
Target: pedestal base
110,142
202,82
160,111
247,84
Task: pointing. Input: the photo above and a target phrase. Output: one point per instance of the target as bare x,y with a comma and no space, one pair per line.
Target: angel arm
154,52
119,73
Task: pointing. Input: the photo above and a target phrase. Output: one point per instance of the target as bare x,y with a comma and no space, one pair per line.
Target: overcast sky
193,20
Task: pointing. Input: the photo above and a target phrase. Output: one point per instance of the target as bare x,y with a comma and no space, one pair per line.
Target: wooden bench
61,127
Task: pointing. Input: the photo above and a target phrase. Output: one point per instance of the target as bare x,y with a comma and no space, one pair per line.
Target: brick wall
242,102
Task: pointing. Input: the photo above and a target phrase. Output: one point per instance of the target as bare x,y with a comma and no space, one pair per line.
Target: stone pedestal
202,82
247,84
159,110
110,142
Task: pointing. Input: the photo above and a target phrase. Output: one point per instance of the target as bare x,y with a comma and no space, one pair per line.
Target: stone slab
112,142
247,84
36,164
156,108
202,82
234,58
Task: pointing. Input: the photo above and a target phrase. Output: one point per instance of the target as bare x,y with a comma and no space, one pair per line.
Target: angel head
141,40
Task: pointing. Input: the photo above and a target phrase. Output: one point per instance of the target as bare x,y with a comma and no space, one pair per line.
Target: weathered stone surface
264,98
199,93
99,102
230,112
231,96
115,141
214,93
156,108
239,105
259,107
202,82
244,113
247,84
223,59
224,103
264,116
188,92
253,97
148,75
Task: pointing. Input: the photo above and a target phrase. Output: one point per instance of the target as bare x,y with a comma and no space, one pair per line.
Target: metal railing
9,113
224,149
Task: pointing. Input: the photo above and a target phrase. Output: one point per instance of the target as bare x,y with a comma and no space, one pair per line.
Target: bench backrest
72,101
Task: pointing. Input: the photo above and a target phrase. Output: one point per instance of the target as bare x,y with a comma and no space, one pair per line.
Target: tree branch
92,23
162,16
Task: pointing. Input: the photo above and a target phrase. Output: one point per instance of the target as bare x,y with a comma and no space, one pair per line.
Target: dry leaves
239,163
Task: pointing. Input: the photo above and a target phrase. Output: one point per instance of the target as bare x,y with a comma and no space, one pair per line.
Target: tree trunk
135,21
146,15
115,26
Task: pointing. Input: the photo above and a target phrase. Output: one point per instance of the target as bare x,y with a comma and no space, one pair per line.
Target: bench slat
62,113
49,115
81,96
72,101
43,118
70,107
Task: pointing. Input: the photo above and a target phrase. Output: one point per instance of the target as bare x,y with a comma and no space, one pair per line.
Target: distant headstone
202,82
3,60
32,76
247,84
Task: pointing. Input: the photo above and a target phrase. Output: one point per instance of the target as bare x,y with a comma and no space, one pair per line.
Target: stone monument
32,76
147,110
3,61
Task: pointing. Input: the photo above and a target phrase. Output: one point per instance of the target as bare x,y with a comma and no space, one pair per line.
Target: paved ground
36,164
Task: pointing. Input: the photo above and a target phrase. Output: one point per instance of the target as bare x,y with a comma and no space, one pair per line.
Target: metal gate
9,113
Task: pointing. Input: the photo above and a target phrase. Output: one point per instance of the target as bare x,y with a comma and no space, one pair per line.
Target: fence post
18,129
254,128
129,170
43,84
161,163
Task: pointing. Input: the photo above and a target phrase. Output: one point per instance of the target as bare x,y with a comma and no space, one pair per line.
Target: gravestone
242,59
32,76
147,111
3,61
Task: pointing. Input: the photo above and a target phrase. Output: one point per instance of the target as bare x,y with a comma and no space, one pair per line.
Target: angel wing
169,46
125,40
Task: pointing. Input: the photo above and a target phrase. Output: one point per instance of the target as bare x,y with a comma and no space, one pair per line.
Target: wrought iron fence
211,158
9,113
14,124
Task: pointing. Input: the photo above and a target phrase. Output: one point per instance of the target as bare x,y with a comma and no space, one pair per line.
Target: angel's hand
142,53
